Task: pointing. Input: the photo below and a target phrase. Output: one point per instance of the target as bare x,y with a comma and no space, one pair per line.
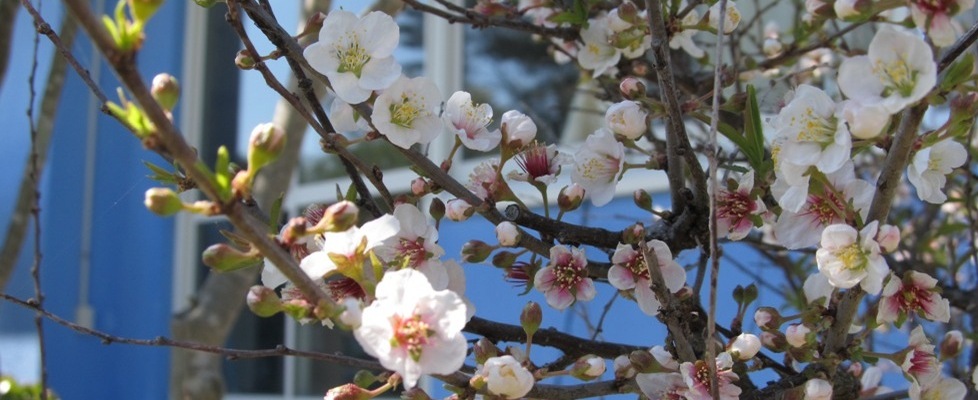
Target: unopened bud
263,301
348,391
266,144
745,346
772,47
570,197
888,237
166,91
294,230
531,317
459,210
588,367
163,201
508,234
642,199
818,389
633,234
643,361
952,344
797,335
339,217
419,187
503,259
223,258
437,209
629,13
475,251
774,341
244,60
315,22
518,129
623,368
767,318
484,350
632,88
142,10
848,9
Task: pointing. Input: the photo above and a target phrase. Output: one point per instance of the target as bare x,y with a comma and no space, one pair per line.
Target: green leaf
222,172
161,175
958,72
754,129
275,214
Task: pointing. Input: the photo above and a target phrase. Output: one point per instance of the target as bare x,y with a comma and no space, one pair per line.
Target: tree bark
17,228
8,18
209,320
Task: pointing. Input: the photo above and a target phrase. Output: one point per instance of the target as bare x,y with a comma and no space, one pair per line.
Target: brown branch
551,337
8,15
34,174
171,143
679,331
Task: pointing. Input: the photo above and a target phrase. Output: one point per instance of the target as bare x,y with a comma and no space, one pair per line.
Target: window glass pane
316,377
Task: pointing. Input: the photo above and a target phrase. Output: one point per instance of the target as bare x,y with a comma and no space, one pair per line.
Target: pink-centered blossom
935,18
346,251
662,385
538,164
737,208
468,121
565,279
484,180
415,245
696,375
917,293
413,329
837,199
631,272
921,363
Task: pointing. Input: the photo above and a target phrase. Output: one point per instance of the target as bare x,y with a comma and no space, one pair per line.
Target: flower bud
588,367
459,210
294,230
570,197
818,389
797,335
506,377
437,209
484,350
338,217
632,88
847,9
745,346
244,60
644,361
623,368
142,10
888,237
224,258
627,119
475,251
531,317
419,187
952,344
348,391
166,91
772,47
315,22
642,199
263,301
518,130
767,318
664,358
503,259
266,144
508,234
731,20
163,201
633,234
774,341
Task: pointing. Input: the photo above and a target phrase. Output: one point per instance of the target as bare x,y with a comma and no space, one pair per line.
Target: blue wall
131,253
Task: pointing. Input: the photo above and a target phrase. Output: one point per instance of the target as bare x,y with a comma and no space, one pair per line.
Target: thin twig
480,21
711,156
958,48
679,331
35,178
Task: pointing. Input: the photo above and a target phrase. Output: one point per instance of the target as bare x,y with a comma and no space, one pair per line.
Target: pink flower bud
531,317
518,130
642,199
745,346
508,234
634,233
348,391
266,144
797,335
338,217
163,201
475,251
166,91
459,210
632,88
570,197
263,301
888,237
623,367
767,318
419,187
774,341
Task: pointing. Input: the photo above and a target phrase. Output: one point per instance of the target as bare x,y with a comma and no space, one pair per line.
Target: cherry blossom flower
484,180
737,208
627,118
631,273
413,329
565,280
921,363
927,173
507,233
818,389
697,378
839,198
865,120
898,70
731,17
597,165
506,377
662,385
597,54
916,293
934,17
814,135
745,346
684,38
356,54
469,120
848,257
870,382
345,119
944,389
458,210
349,248
797,335
539,164
407,112
517,129
415,244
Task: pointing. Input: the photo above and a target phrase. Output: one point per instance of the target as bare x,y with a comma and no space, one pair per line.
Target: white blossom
407,112
506,377
818,389
849,258
627,118
930,167
731,20
469,120
597,165
517,127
